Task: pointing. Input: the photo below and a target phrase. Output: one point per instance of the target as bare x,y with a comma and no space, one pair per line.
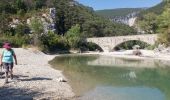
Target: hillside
125,15
68,13
158,9
163,23
147,19
110,13
53,24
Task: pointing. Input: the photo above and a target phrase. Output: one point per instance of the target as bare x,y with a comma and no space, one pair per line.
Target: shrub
15,41
52,42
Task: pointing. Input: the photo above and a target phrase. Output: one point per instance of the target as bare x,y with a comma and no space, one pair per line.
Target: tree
20,5
3,22
52,42
164,26
39,4
7,7
37,29
148,24
22,30
73,35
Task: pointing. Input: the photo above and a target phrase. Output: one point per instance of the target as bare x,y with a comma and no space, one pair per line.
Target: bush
53,43
15,41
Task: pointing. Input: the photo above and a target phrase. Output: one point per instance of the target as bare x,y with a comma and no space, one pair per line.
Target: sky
112,4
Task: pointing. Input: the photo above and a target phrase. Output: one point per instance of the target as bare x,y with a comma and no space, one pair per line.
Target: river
95,77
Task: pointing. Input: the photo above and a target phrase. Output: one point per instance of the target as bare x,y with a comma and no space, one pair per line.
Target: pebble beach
34,79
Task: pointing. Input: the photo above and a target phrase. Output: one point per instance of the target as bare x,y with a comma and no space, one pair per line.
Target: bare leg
11,73
6,77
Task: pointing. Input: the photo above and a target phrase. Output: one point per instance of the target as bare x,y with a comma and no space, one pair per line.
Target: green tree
37,29
20,5
164,25
39,3
7,7
3,22
73,35
52,42
148,23
21,30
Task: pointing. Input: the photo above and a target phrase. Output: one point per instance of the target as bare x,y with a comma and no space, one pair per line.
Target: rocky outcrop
47,18
128,19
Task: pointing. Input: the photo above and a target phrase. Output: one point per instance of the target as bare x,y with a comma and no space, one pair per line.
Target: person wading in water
6,60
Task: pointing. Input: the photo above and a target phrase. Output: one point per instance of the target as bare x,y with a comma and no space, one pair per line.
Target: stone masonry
109,43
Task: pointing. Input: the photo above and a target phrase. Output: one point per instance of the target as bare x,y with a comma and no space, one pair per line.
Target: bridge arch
108,43
91,46
142,44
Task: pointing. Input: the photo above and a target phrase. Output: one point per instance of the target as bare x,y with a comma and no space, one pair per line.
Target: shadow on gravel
18,76
7,93
15,76
35,79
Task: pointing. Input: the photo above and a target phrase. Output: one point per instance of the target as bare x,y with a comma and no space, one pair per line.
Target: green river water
94,77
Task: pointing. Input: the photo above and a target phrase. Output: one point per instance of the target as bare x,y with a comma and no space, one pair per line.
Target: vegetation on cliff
147,19
72,20
164,25
157,20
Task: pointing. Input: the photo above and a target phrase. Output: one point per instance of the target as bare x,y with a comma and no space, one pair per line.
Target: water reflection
124,93
88,77
127,62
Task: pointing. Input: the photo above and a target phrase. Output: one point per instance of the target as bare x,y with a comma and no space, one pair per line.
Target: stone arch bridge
109,43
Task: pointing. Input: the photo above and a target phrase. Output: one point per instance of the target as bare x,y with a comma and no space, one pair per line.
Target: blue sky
112,4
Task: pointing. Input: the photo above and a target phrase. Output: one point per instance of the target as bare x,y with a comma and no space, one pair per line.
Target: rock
137,52
60,79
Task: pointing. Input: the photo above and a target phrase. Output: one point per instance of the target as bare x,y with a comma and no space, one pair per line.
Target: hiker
6,60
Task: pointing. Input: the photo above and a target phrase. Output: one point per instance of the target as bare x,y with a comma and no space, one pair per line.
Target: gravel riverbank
34,79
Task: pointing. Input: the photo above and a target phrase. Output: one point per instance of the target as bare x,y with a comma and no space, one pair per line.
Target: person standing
6,60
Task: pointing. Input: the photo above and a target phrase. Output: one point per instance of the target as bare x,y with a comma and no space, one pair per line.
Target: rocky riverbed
34,79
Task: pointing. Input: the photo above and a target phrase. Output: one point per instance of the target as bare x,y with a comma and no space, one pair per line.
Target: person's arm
1,55
0,59
15,58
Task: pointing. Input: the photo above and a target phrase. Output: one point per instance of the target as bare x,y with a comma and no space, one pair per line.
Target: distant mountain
128,16
146,21
158,9
110,13
123,15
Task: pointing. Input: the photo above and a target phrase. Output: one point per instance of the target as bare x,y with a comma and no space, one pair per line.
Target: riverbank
146,54
34,79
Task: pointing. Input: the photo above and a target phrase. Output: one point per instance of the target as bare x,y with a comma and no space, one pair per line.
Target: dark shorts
8,66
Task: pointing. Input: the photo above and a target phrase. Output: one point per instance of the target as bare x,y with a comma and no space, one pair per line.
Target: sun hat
7,45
